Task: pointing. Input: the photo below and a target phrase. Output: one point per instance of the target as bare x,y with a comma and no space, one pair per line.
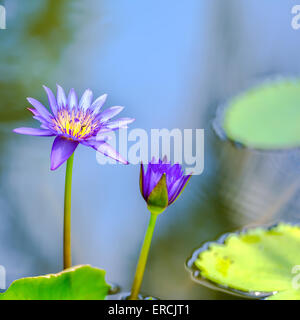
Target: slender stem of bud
67,214
140,269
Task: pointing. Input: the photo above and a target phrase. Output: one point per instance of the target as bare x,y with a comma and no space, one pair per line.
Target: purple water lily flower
162,184
74,122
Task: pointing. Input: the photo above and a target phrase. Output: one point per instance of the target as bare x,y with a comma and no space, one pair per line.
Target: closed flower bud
161,184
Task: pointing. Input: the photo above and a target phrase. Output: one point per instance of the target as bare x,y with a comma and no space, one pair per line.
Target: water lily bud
161,184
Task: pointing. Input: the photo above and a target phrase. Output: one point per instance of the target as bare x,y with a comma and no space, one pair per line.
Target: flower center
78,124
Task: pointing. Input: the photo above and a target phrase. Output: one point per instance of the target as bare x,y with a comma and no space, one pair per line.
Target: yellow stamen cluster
78,124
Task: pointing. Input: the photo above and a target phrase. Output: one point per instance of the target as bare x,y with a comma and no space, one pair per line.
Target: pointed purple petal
110,113
45,126
98,103
34,132
109,151
94,141
61,97
147,180
86,100
39,108
62,149
105,130
37,116
142,181
173,186
184,181
41,120
33,111
120,123
106,149
51,99
72,99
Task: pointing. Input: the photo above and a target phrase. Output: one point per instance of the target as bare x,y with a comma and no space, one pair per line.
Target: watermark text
185,147
296,17
296,278
2,17
2,278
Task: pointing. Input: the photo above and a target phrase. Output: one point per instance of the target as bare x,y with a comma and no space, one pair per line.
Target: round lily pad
78,283
255,263
266,117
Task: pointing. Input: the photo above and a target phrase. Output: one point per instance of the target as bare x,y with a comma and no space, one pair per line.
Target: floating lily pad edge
197,277
219,118
80,282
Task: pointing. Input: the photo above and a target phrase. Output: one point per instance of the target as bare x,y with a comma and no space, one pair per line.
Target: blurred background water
171,63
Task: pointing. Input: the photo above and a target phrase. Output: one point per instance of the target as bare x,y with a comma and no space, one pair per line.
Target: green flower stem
67,214
140,269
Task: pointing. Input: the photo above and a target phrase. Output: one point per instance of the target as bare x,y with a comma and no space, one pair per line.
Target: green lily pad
285,295
266,117
255,263
77,283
